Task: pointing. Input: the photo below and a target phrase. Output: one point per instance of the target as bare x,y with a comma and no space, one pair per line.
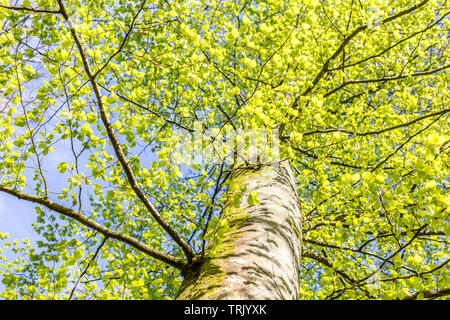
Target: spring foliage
357,89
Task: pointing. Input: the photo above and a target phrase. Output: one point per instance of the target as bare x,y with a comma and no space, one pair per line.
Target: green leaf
62,167
86,129
252,199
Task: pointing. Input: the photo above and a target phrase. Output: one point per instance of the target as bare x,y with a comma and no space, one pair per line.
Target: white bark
259,256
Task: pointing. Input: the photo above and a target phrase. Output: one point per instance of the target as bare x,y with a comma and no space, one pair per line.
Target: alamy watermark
75,18
374,16
249,146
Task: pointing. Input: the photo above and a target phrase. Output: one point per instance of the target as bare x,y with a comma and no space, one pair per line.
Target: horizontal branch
149,110
116,144
384,79
326,262
170,260
429,294
34,10
314,156
347,39
376,132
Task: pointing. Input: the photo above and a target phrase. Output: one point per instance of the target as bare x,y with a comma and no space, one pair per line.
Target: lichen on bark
259,254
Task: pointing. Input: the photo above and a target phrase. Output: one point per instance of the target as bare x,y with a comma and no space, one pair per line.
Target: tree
333,184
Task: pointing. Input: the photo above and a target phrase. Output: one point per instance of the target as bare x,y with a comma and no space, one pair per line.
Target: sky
16,217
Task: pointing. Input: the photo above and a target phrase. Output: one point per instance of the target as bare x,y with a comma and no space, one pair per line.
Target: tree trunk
258,256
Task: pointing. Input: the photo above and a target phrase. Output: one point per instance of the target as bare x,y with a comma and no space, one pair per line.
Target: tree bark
258,257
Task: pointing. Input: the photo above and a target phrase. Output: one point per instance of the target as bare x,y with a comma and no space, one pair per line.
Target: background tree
98,93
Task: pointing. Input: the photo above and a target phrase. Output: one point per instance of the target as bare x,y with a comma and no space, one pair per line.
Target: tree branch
326,262
429,294
123,41
376,132
388,78
87,267
116,145
404,143
108,233
392,46
34,10
355,32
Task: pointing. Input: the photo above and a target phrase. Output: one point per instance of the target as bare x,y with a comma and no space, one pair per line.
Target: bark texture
258,257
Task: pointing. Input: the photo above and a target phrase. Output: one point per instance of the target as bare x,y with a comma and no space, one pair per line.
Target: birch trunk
258,257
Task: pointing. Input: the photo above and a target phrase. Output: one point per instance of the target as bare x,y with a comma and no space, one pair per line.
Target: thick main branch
116,145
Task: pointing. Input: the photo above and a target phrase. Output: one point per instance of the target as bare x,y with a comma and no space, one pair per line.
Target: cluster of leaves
358,89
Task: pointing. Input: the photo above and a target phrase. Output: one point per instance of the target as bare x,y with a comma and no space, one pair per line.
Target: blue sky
16,217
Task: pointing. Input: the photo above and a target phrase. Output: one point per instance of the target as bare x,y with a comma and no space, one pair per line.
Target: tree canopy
97,95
